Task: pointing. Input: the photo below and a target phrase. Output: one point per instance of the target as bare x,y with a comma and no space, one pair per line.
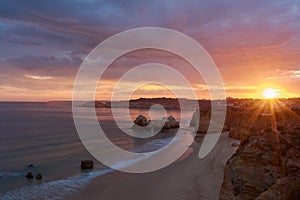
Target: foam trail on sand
60,189
57,189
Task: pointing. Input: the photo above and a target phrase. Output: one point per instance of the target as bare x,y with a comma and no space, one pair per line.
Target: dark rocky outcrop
267,162
164,124
201,120
87,164
167,103
29,175
171,123
38,176
31,165
245,116
141,121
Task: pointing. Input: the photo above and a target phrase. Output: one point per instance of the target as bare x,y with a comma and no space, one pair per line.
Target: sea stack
29,175
87,164
38,176
141,120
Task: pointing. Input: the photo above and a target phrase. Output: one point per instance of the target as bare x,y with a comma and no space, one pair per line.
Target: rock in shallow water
29,175
171,123
164,124
31,165
87,164
38,176
141,121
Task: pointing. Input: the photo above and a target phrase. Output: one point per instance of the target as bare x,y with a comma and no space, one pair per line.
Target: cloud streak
38,77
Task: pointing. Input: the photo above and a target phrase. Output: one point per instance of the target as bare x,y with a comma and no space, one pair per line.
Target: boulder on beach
29,175
87,164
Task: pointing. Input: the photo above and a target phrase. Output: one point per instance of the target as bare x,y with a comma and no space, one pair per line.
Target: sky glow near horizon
255,44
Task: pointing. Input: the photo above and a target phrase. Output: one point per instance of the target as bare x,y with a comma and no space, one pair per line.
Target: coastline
187,178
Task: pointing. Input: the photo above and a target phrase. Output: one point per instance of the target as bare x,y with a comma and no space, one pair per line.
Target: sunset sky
255,44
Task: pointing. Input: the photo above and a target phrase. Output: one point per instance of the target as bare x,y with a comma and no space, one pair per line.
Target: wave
54,190
58,189
4,174
61,189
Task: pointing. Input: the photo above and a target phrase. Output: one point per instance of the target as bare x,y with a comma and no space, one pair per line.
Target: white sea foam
60,189
4,174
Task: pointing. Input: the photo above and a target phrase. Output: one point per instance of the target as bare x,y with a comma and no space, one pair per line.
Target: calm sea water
43,134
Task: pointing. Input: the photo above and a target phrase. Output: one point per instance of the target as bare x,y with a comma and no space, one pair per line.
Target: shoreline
187,178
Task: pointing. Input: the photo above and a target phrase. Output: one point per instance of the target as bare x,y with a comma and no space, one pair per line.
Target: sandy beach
187,178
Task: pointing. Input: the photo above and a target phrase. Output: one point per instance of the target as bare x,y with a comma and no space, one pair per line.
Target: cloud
38,77
24,72
45,39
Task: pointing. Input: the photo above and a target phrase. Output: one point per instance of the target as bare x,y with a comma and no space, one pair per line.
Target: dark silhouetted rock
195,119
38,176
141,121
171,123
142,124
87,164
29,175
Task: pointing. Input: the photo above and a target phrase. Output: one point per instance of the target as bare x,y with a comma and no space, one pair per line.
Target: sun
270,93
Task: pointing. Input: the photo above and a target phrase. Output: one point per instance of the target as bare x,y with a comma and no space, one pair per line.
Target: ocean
44,134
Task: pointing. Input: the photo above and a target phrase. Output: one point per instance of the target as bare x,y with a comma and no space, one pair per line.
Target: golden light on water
270,93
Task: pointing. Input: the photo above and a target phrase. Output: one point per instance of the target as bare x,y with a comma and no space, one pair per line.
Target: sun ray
288,110
275,131
259,107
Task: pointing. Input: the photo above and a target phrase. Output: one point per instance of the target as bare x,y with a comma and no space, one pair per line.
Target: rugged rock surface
287,188
262,165
266,164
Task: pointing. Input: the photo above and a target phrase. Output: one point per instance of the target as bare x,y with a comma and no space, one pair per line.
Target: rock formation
38,176
87,164
31,165
267,162
29,175
262,166
141,121
165,124
171,123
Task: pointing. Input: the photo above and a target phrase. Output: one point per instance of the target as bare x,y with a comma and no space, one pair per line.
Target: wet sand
186,179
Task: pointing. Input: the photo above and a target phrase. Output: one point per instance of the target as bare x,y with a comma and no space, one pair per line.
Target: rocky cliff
267,162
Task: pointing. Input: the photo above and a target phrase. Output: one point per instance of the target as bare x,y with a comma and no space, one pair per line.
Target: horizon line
204,99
